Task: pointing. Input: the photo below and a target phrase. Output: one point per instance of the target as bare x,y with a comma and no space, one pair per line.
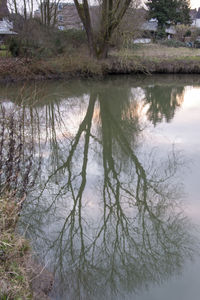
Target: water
111,173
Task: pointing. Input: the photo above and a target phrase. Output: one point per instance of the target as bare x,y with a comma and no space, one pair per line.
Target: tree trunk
103,50
112,13
25,10
84,15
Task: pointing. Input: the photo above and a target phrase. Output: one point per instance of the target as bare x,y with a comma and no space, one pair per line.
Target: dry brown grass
14,282
158,51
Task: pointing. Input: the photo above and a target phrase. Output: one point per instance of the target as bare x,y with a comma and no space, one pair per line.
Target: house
195,16
151,27
6,29
65,14
67,17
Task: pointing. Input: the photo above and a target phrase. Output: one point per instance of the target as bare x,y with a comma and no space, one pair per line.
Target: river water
110,170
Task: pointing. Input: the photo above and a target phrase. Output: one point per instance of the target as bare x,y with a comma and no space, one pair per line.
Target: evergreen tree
183,12
169,12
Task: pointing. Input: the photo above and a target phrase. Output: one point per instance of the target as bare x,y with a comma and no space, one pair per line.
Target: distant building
151,26
66,16
195,16
6,29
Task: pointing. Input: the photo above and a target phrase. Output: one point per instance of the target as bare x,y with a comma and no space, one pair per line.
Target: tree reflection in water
106,221
163,102
19,166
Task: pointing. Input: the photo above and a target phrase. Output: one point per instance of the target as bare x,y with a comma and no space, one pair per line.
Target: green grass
4,53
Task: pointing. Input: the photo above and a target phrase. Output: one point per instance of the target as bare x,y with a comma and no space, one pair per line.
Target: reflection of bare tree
134,235
163,101
17,150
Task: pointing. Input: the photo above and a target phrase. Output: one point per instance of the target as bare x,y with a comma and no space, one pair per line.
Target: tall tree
183,12
4,12
111,12
22,7
169,12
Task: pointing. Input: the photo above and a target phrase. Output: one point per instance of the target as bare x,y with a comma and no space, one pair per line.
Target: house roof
7,32
6,27
153,26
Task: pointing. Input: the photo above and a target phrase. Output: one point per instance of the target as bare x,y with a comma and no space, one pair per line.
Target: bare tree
4,12
111,13
24,7
48,11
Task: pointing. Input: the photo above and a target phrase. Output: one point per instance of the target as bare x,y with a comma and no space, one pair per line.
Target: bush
74,37
172,43
197,44
14,47
3,47
36,40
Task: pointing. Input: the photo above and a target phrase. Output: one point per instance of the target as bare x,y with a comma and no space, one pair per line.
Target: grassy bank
156,58
147,59
14,251
21,278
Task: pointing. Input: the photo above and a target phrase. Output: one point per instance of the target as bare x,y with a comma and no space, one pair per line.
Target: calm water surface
111,171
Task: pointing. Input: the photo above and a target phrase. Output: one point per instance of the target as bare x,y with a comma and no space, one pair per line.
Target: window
60,6
60,18
61,27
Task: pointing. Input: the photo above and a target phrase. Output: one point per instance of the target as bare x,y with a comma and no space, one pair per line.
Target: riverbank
146,59
20,277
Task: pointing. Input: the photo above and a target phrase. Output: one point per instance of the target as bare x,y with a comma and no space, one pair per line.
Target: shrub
74,37
37,40
172,43
14,47
197,44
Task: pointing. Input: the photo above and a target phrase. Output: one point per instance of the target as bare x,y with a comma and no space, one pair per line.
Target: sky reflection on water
105,214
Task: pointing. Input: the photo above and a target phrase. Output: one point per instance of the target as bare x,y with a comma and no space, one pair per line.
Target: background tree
24,7
129,28
163,108
169,12
111,13
182,31
4,12
48,11
183,12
